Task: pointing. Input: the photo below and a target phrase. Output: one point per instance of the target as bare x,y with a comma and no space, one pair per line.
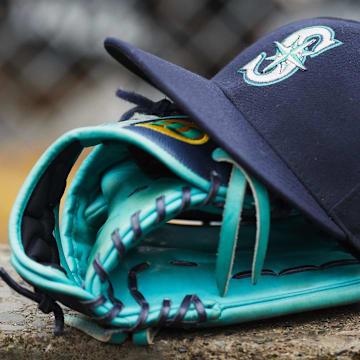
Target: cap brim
208,106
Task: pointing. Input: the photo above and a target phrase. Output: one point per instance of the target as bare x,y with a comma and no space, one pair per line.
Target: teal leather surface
262,206
338,285
110,187
145,336
234,200
230,229
288,247
84,206
121,207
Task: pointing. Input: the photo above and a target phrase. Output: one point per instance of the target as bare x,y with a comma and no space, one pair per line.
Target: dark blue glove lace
144,105
45,302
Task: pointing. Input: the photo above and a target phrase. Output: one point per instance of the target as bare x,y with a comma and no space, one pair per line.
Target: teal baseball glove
159,228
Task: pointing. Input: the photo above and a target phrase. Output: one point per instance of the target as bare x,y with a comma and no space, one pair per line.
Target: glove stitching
298,269
160,209
215,181
118,243
93,303
185,199
136,226
104,276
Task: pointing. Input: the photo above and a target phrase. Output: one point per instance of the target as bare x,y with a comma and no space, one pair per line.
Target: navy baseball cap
287,109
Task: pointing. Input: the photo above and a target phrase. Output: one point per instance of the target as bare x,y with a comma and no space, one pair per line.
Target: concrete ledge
26,333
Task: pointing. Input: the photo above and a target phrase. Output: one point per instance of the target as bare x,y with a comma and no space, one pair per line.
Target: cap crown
300,88
286,109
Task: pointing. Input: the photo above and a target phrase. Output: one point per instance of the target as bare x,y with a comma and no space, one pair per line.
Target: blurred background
55,74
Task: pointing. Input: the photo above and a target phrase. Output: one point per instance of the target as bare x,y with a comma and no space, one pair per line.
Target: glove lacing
144,105
160,108
163,319
47,304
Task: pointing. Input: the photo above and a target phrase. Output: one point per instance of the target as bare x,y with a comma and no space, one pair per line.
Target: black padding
36,235
149,164
38,220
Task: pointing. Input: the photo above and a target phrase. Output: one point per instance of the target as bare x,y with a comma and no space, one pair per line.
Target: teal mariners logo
291,55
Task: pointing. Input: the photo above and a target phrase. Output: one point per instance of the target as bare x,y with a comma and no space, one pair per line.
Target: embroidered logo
183,130
290,56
